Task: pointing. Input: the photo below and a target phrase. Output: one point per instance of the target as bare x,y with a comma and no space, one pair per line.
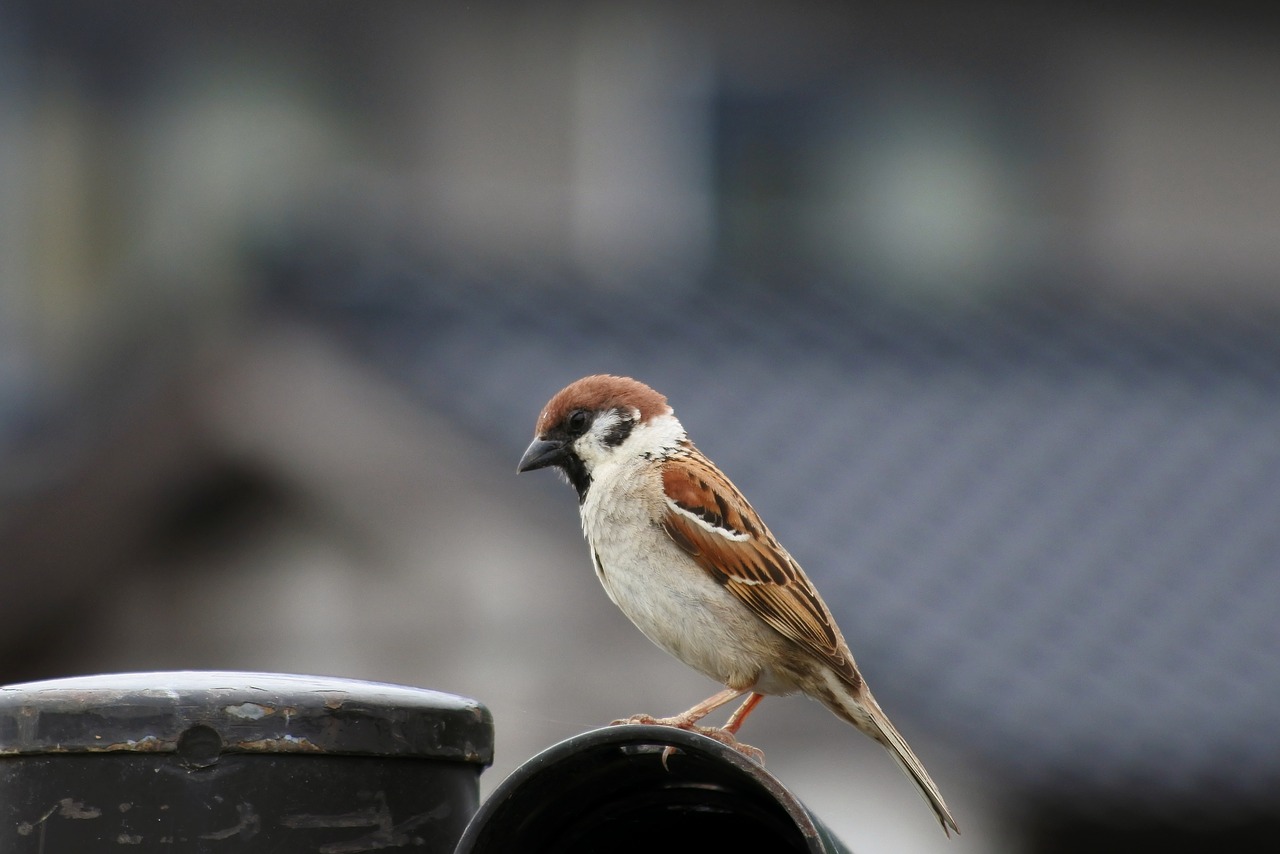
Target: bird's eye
578,422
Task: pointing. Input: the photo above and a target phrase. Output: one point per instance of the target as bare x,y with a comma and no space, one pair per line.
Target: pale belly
682,609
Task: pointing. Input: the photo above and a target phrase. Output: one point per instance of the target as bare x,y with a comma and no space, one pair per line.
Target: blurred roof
1049,532
1045,521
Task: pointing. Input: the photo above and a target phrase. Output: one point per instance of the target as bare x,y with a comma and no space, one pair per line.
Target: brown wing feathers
734,546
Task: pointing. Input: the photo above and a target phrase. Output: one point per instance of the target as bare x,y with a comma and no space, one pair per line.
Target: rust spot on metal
284,744
71,808
146,744
152,744
250,711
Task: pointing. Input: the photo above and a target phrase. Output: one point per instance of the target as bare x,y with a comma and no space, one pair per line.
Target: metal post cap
170,712
205,762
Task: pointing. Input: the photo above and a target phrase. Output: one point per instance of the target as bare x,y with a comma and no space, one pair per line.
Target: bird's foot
720,734
752,752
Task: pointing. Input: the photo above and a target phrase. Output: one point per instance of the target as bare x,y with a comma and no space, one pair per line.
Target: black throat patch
577,475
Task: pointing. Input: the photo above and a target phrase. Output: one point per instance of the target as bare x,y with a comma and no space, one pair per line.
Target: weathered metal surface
247,802
250,762
251,712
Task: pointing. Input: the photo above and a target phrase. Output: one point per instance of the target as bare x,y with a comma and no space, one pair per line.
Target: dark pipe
608,790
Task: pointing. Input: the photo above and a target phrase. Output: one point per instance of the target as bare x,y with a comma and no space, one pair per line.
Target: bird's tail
865,713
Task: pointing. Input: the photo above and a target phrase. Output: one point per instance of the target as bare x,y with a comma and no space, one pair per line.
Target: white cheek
659,435
590,451
590,446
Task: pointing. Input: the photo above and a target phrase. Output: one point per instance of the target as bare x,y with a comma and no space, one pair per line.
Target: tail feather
865,713
906,758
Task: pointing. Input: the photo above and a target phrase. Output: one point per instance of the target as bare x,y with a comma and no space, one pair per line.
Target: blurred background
978,303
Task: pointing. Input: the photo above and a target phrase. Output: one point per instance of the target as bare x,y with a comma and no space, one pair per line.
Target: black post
244,762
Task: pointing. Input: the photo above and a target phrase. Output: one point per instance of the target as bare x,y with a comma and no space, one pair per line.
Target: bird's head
596,420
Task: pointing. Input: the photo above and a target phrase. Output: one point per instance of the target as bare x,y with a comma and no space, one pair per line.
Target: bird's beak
542,453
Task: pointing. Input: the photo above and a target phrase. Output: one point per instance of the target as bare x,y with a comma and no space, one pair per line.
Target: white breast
676,603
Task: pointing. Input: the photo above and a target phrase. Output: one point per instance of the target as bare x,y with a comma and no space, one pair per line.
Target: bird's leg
725,735
735,722
738,718
686,720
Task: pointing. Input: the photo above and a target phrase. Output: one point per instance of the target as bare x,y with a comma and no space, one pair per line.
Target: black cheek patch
619,432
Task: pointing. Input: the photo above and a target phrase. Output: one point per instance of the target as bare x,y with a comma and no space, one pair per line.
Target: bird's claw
667,752
720,734
646,719
753,753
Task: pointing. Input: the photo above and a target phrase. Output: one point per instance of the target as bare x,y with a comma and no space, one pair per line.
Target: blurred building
282,290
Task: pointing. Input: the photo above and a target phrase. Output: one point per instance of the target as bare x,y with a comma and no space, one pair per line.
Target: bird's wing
708,518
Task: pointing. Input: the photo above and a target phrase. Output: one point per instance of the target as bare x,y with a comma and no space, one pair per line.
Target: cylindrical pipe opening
609,790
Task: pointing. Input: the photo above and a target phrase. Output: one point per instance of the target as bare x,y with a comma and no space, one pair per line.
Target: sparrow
682,554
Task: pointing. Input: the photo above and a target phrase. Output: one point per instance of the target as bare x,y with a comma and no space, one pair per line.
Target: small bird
686,558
